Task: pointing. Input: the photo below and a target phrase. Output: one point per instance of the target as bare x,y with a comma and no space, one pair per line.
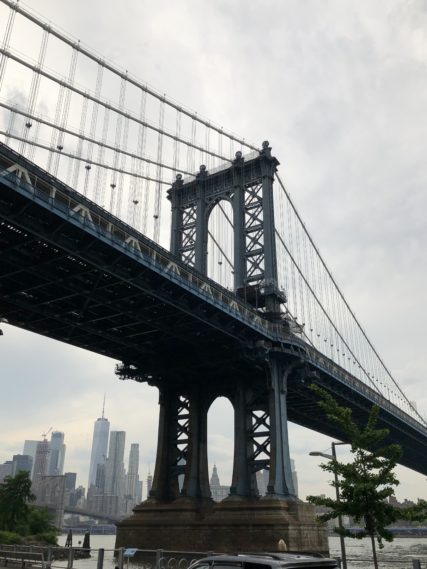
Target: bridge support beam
188,519
280,484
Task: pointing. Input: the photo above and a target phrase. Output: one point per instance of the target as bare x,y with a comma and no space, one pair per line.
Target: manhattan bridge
134,228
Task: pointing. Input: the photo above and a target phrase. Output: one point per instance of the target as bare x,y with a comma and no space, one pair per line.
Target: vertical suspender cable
124,146
101,173
11,125
207,158
6,39
115,186
138,166
94,120
158,198
55,133
176,145
32,148
79,149
220,142
65,111
34,89
293,287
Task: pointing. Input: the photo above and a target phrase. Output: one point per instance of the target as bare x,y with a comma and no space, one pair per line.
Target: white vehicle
265,561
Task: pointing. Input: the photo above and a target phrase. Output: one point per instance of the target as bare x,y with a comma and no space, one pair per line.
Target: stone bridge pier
180,514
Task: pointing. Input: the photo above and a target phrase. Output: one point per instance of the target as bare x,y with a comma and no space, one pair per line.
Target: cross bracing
119,142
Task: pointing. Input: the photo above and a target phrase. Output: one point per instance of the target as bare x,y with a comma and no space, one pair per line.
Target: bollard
100,561
159,556
49,557
70,558
120,558
416,564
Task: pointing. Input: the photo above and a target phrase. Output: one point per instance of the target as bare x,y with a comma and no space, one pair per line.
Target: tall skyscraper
218,491
21,462
149,483
30,448
70,481
294,477
41,461
114,467
98,454
262,477
132,479
139,492
6,469
57,454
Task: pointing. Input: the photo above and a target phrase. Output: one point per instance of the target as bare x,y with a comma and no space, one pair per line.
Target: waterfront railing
124,558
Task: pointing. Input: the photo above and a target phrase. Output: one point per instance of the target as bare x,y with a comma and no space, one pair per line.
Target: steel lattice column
182,445
252,440
172,445
261,433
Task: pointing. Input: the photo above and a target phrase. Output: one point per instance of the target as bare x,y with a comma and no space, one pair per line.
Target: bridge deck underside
304,410
58,280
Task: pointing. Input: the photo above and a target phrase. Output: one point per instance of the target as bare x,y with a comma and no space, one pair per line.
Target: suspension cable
76,44
342,296
82,159
89,96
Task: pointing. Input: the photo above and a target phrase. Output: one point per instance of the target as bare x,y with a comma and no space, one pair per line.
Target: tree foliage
366,482
417,513
18,517
15,495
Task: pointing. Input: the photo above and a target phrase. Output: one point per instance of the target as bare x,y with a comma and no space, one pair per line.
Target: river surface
395,555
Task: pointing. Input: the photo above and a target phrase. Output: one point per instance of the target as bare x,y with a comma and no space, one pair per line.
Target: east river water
395,555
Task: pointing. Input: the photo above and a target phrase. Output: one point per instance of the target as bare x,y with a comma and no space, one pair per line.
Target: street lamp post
333,456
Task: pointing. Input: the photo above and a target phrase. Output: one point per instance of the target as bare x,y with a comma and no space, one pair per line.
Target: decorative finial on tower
266,149
178,182
202,172
238,161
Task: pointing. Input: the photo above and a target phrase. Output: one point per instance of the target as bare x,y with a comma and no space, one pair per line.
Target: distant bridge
95,515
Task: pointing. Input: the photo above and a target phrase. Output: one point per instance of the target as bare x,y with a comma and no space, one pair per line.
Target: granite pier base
233,525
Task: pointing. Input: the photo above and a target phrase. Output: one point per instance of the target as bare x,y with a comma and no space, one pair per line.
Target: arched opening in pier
220,447
220,252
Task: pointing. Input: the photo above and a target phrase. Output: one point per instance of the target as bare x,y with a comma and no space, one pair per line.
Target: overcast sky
339,88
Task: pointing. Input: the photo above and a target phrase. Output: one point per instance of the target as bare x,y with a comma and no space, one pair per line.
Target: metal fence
122,558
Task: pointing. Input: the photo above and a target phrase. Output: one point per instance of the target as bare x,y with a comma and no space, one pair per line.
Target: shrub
10,538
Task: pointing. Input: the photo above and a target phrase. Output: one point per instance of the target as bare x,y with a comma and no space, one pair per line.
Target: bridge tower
248,186
179,514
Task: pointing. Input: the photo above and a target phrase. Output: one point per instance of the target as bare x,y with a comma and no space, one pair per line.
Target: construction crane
44,435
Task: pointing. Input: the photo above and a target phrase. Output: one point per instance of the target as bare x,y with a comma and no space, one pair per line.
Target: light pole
333,457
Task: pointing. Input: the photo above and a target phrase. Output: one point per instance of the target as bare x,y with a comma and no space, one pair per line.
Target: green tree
417,513
366,482
40,521
15,495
